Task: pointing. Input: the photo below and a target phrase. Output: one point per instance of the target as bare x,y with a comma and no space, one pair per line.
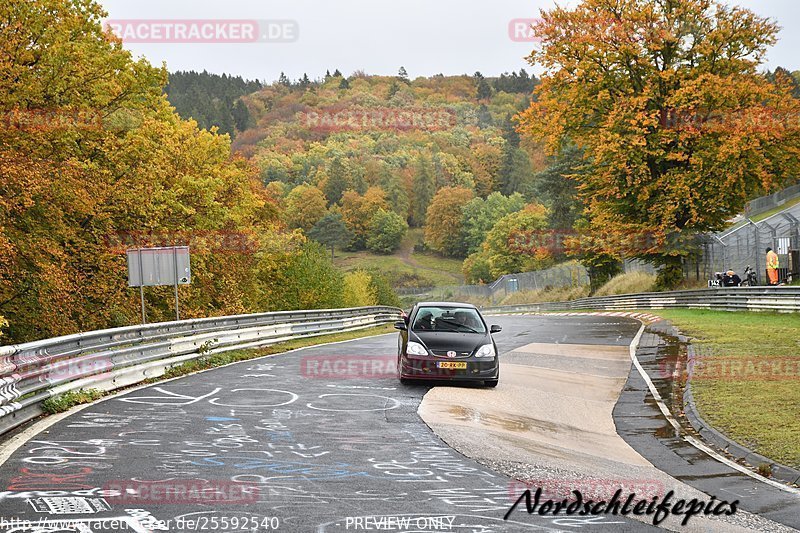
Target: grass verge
628,283
225,358
748,385
68,400
774,211
398,272
407,267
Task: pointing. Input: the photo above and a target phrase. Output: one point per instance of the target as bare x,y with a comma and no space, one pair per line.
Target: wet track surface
322,452
643,426
314,453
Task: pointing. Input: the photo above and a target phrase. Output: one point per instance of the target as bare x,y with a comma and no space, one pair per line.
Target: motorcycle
750,279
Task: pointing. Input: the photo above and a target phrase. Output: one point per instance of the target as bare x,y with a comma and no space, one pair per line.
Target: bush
507,246
383,290
629,283
443,224
68,400
386,232
550,294
476,268
305,206
601,267
301,279
358,290
670,274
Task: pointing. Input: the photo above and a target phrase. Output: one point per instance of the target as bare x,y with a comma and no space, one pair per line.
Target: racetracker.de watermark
51,119
181,492
743,369
214,241
383,118
216,31
521,30
556,241
756,119
348,366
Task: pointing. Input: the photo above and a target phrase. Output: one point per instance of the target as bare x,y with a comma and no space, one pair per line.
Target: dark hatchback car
447,341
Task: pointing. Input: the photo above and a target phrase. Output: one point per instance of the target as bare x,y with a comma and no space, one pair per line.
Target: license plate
451,364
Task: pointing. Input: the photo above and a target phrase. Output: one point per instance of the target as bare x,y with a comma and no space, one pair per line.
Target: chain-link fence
745,245
565,275
765,203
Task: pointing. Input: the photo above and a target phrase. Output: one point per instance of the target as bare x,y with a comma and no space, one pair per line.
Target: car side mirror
495,329
401,325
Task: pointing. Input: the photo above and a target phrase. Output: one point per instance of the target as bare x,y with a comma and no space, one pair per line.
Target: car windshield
451,319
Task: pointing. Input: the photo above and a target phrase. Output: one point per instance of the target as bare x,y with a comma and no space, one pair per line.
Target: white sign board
151,267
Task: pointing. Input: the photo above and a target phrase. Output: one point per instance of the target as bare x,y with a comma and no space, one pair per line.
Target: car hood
441,342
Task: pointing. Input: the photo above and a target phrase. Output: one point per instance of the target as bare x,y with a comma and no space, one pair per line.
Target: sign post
151,267
141,287
177,302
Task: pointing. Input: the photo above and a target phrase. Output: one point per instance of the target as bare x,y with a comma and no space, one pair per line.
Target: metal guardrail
113,358
781,299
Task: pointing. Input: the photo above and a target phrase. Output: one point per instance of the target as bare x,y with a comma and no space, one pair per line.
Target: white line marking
691,440
671,419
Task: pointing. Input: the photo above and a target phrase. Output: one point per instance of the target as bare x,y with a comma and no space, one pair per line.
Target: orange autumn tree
678,127
443,220
93,160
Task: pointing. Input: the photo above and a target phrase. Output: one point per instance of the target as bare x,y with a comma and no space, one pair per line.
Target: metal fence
734,249
746,244
781,299
110,359
765,203
566,275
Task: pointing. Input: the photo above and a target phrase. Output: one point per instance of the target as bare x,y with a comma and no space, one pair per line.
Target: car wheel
491,383
403,381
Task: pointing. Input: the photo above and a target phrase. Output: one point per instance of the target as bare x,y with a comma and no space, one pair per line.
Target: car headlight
415,348
486,350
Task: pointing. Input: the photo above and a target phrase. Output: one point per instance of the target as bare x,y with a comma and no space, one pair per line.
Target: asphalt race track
283,443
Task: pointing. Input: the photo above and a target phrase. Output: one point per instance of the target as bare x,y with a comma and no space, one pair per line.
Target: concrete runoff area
550,420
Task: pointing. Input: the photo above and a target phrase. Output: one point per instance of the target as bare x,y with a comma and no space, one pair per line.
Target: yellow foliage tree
359,290
305,206
443,226
357,212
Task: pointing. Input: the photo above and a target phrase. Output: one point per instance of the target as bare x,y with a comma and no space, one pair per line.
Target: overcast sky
378,36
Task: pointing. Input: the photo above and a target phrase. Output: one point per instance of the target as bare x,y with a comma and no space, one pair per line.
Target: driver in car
424,321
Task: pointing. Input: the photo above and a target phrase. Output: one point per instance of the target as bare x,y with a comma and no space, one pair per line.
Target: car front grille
443,353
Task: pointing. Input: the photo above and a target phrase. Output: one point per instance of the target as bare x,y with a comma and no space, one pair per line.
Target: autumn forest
661,122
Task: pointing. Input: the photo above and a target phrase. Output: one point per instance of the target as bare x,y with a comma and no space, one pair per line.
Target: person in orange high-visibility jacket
772,266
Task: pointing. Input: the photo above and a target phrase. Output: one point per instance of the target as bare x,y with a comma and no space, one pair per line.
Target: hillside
407,267
342,149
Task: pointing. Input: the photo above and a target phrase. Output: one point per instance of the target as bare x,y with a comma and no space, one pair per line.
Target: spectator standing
772,266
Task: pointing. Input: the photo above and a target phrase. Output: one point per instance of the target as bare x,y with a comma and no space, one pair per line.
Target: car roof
445,304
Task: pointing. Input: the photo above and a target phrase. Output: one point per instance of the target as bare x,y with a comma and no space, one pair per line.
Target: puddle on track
508,423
